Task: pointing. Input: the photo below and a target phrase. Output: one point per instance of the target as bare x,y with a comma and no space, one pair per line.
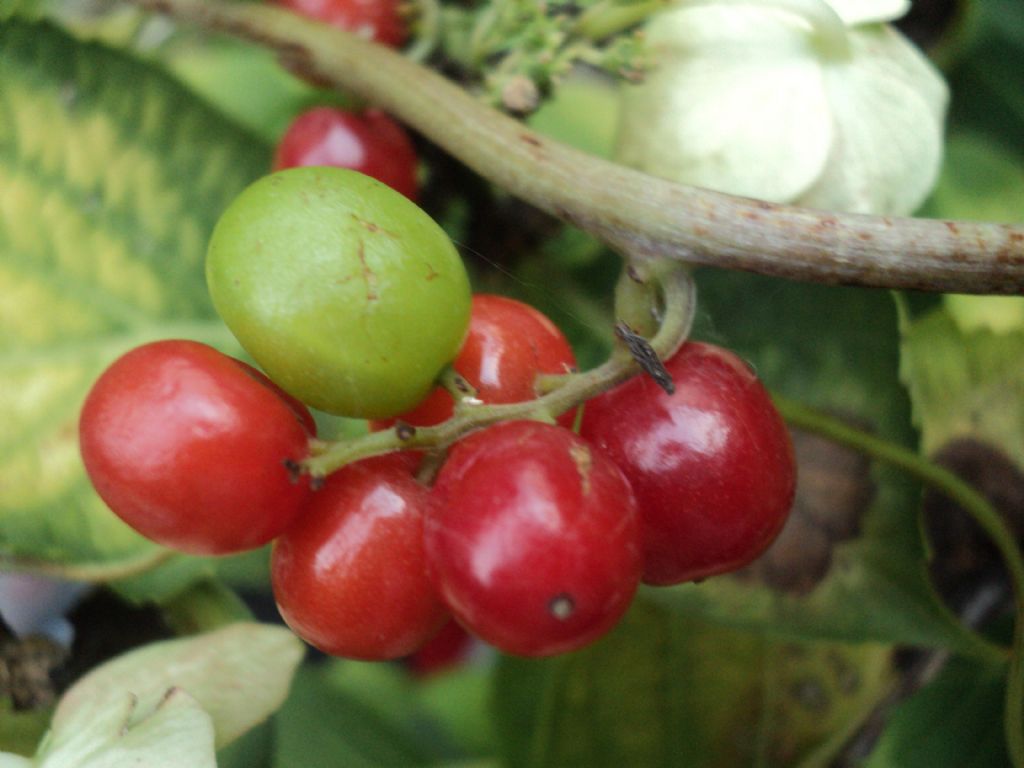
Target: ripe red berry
377,20
350,577
508,344
192,450
533,542
299,410
369,142
448,649
712,465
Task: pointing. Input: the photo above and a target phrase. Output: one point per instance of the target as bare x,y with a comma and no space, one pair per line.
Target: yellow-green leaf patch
111,178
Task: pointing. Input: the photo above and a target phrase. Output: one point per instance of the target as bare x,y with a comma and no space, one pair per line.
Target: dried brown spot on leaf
834,491
964,560
26,671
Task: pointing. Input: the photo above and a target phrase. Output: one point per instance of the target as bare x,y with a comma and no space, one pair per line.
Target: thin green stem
976,505
605,19
478,39
677,317
428,30
205,606
92,572
545,383
637,214
456,385
636,300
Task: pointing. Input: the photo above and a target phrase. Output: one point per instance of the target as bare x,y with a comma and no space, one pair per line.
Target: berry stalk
679,304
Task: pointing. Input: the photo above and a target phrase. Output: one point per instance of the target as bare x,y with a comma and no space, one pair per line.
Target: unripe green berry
348,295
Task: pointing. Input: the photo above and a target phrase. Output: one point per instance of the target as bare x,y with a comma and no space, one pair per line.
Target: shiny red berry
448,649
193,449
369,142
299,409
377,20
508,345
712,465
350,577
533,541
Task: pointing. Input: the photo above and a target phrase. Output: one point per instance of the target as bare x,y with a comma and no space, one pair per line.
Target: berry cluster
531,535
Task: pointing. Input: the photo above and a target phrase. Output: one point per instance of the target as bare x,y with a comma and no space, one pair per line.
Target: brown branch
639,215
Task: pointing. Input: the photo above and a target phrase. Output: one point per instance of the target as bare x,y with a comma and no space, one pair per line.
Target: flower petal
867,11
736,104
889,103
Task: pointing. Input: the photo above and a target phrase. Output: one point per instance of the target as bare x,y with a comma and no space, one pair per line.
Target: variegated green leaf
175,733
111,178
664,690
239,675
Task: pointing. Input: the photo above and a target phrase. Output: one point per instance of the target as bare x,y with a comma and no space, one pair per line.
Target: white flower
806,101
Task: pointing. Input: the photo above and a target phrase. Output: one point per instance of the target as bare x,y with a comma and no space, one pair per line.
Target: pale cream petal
736,104
869,11
889,104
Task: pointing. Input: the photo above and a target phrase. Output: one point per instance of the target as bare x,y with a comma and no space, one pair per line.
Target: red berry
350,576
191,450
369,142
508,344
448,649
377,20
533,542
299,409
712,465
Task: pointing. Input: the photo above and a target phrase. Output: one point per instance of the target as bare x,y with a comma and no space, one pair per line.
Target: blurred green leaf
20,732
10,8
111,178
246,82
458,701
999,314
956,720
239,674
835,349
583,113
986,82
204,606
965,383
255,749
666,690
358,714
246,570
980,181
165,582
118,25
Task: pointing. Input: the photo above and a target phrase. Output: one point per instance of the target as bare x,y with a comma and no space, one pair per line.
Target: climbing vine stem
636,214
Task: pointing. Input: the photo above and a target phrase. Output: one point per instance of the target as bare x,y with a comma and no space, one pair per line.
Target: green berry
350,297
